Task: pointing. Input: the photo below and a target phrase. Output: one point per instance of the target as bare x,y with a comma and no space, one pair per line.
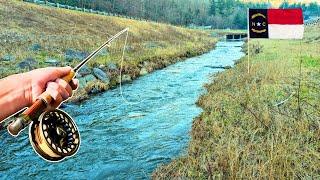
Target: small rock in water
219,67
52,61
94,90
28,63
143,71
35,47
175,71
101,75
135,115
8,57
126,78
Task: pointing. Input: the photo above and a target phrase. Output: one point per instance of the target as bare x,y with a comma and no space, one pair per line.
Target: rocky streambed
94,80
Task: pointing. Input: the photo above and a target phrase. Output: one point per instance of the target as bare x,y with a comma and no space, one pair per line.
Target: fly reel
54,136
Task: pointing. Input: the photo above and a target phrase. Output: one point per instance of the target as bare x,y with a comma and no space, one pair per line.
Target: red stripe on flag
285,16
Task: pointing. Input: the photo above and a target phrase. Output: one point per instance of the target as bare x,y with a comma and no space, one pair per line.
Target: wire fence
92,11
58,5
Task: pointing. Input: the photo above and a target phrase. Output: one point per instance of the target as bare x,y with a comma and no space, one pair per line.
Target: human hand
22,90
49,80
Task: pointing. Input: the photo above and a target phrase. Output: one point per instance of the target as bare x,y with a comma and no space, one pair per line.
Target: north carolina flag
276,23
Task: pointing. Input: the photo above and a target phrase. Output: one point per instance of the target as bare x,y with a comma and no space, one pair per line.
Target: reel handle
34,110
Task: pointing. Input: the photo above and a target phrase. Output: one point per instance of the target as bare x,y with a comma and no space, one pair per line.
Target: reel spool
54,136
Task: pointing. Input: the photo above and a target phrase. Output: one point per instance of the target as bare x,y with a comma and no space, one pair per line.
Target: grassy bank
33,36
259,125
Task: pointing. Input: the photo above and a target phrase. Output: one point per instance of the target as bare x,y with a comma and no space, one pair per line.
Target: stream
126,140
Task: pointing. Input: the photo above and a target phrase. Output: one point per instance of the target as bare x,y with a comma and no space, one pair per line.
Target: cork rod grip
35,109
45,99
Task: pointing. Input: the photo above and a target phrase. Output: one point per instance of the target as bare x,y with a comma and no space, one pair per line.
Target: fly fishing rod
53,134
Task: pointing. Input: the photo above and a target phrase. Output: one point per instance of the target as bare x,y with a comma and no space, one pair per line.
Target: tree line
215,13
310,10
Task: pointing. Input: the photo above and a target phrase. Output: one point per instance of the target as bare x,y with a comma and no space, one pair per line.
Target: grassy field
40,33
261,125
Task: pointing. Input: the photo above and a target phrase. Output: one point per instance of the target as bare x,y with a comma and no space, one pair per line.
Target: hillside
262,125
34,36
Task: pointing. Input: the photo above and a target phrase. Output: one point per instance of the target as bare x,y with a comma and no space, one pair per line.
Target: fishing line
121,67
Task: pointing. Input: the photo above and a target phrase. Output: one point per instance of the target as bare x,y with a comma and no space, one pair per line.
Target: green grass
310,61
251,127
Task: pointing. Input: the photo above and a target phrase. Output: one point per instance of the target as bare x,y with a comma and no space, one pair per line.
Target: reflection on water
121,140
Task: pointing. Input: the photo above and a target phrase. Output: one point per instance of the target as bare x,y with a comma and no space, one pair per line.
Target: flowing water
121,140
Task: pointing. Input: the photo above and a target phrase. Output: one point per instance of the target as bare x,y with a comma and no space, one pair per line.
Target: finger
62,71
52,90
55,90
64,93
56,103
64,85
50,73
74,84
58,72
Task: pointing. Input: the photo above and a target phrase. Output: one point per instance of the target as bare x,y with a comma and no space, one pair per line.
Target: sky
276,3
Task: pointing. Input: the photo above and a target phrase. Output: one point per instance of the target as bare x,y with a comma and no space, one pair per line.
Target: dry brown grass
56,30
243,134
